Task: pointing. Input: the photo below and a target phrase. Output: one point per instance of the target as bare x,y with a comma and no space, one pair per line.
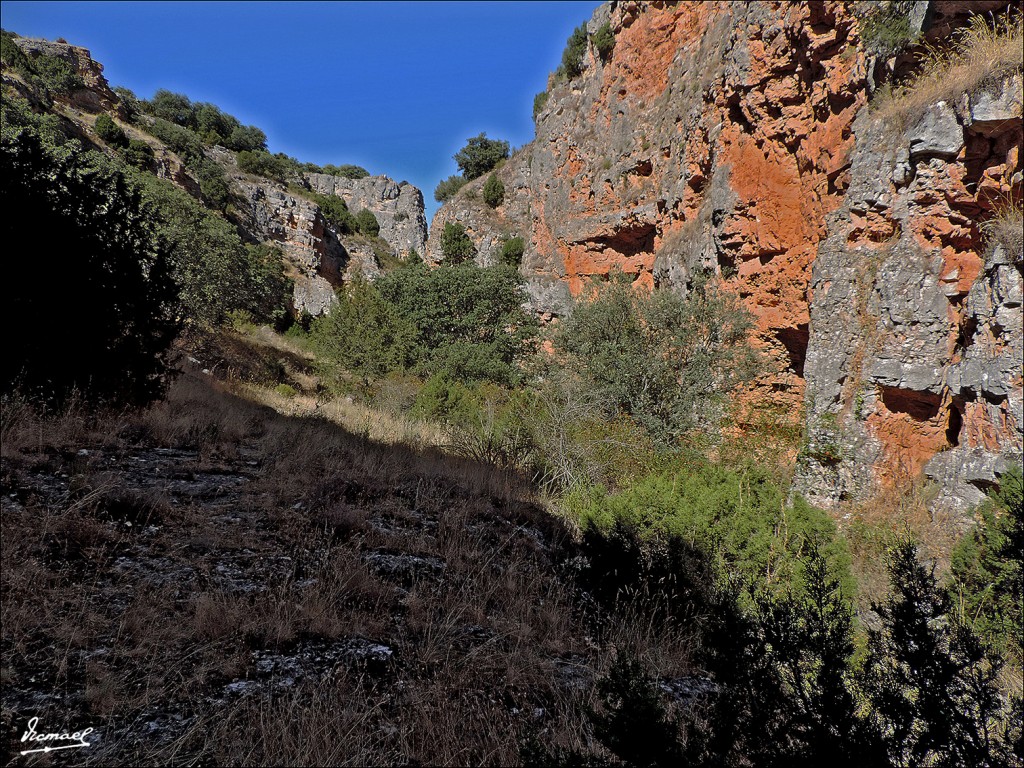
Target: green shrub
216,271
666,360
110,131
456,247
480,155
470,325
213,183
539,102
511,252
929,680
988,568
487,421
885,30
49,74
446,188
286,390
129,102
603,41
58,75
173,107
337,213
494,191
742,517
138,154
102,304
347,171
180,140
367,223
363,333
575,49
246,138
262,163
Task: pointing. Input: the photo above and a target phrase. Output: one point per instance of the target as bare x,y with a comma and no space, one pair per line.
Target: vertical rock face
397,206
716,137
733,137
915,357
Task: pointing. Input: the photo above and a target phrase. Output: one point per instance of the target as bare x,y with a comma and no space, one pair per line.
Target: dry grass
981,53
133,599
1006,227
873,525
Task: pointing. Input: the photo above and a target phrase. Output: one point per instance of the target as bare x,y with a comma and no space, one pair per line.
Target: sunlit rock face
734,138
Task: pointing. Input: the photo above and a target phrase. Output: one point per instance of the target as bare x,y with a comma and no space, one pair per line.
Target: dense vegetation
101,304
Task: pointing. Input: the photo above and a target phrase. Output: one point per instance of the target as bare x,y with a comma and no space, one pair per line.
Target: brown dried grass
983,52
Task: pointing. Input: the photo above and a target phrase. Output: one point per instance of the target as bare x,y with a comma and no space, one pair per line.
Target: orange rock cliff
736,138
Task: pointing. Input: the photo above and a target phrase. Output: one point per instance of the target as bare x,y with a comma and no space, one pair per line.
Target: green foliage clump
886,28
988,568
130,105
741,516
137,154
207,121
928,677
480,155
337,214
110,131
447,188
185,142
572,57
511,252
469,320
217,273
245,138
262,163
456,247
494,191
367,223
666,360
101,304
603,41
363,333
539,102
49,75
464,323
346,171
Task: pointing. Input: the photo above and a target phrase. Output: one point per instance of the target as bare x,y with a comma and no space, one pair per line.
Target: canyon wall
736,138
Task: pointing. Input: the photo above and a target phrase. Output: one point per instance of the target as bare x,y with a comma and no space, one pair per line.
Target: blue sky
395,87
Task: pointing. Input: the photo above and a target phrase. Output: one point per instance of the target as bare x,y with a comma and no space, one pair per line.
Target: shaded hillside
271,199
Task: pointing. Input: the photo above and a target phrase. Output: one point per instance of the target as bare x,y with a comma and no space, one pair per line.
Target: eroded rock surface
733,137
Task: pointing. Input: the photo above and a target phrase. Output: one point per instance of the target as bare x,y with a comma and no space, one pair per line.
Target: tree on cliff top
480,155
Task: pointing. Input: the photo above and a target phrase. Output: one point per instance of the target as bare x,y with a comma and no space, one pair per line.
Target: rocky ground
212,582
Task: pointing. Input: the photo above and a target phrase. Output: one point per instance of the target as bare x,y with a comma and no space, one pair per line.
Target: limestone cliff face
398,207
733,137
915,355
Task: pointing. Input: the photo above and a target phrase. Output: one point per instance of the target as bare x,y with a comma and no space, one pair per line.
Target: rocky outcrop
716,137
914,362
733,138
397,206
96,95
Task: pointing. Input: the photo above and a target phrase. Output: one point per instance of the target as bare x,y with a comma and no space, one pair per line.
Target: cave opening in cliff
795,341
955,424
628,241
918,405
